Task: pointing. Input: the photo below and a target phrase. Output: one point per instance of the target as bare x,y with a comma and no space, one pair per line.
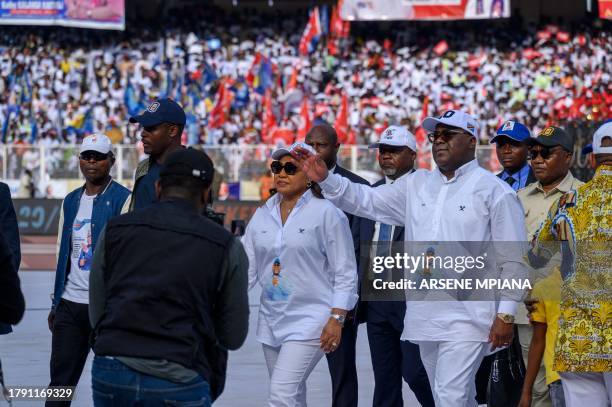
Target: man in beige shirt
551,156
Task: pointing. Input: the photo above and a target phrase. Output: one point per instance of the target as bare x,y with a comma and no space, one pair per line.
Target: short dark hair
184,186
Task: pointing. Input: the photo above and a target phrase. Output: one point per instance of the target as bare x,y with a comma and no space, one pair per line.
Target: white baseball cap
283,151
397,136
96,142
454,118
603,131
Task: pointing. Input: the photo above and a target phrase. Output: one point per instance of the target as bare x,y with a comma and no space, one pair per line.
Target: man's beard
389,172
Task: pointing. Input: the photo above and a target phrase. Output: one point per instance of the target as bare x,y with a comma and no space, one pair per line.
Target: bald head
324,131
324,140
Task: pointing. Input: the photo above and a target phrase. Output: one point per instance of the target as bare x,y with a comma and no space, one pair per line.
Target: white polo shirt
318,271
474,205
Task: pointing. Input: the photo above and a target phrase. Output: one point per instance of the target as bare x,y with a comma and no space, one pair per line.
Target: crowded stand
244,79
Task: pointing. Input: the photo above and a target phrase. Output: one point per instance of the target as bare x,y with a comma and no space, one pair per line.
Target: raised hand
311,164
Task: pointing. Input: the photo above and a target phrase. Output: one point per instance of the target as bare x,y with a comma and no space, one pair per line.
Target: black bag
507,376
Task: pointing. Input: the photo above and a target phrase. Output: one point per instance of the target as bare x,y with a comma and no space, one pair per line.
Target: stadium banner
40,217
100,14
424,9
605,9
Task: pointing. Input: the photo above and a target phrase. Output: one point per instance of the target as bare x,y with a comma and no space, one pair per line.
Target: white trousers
289,365
451,368
587,389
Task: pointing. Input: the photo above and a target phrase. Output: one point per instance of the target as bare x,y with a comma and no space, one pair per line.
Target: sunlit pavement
25,358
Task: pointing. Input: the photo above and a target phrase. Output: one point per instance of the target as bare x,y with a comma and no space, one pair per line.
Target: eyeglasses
446,135
544,152
93,155
277,167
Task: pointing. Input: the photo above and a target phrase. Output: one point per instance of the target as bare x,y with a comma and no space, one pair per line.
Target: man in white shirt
392,358
458,201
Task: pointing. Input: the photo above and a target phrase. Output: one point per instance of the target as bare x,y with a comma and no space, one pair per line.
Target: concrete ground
25,358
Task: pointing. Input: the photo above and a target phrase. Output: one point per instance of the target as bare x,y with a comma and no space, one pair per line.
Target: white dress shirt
474,205
318,268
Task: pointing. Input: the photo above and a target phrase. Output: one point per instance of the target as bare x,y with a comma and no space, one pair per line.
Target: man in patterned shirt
581,223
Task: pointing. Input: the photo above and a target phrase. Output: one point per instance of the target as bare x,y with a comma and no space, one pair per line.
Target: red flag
563,36
346,29
543,35
218,114
312,30
474,61
440,48
581,40
332,46
531,53
268,121
305,121
605,9
292,84
282,134
341,124
253,71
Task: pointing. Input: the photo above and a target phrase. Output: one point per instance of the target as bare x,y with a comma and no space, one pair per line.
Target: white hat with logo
397,136
601,133
96,142
453,118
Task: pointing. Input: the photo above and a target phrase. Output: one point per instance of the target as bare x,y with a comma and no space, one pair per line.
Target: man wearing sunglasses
392,358
162,125
459,201
341,363
84,213
512,148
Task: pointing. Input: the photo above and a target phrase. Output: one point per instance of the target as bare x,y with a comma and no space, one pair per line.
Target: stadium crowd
59,85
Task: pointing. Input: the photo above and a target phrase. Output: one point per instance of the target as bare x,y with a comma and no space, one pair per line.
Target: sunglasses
544,152
446,135
93,155
277,167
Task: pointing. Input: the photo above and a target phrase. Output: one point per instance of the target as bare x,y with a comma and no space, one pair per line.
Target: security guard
168,295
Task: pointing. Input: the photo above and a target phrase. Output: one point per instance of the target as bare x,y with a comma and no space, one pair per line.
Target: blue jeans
557,397
115,384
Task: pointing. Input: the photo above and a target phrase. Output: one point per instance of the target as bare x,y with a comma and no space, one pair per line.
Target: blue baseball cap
588,149
514,130
161,111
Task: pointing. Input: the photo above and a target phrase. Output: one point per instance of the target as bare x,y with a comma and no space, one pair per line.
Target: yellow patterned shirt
581,224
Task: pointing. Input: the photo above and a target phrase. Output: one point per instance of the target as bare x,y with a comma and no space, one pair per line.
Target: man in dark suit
10,230
512,148
392,358
341,362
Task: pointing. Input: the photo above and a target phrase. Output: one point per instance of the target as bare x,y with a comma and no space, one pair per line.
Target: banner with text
424,9
605,9
101,14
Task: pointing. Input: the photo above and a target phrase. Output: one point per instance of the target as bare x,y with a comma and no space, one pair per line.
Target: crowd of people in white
60,84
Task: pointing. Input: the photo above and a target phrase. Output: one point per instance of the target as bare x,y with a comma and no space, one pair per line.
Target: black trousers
69,345
342,368
394,359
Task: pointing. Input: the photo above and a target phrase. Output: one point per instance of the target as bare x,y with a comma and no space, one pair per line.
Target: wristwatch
339,318
507,318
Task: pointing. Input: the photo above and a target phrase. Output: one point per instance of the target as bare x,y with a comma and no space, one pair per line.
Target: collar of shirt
333,169
564,186
520,176
461,171
273,205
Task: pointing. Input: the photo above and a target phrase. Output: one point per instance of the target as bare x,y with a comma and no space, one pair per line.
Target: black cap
161,111
189,162
554,136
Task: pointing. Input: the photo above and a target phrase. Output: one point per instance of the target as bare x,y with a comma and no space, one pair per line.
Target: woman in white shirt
301,253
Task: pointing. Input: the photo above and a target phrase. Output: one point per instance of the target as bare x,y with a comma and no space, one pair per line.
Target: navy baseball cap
514,130
161,111
189,162
588,149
